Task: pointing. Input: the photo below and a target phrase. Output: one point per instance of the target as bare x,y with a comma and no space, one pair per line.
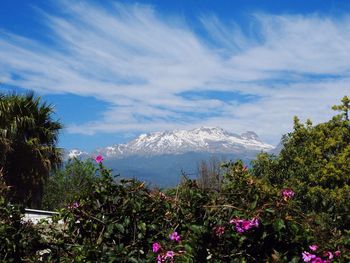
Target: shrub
249,221
64,186
19,241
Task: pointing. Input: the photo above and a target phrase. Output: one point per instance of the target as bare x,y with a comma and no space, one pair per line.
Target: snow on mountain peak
204,139
250,135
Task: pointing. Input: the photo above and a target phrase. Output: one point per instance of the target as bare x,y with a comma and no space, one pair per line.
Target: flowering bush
248,220
243,225
290,208
287,194
325,257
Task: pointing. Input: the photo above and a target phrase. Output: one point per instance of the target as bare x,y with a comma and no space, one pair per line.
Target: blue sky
121,68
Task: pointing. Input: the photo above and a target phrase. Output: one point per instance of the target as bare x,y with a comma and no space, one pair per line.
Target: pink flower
238,224
244,225
160,259
75,205
235,221
169,254
313,247
155,247
219,230
175,236
254,222
307,257
337,253
317,260
98,158
287,193
239,229
329,255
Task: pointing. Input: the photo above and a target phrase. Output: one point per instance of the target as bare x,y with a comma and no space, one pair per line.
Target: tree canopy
66,185
315,158
28,152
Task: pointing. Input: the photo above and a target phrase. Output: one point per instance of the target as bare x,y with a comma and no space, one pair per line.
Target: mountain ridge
198,140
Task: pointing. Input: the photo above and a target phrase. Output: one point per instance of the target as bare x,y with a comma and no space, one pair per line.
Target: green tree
28,151
315,159
344,107
67,185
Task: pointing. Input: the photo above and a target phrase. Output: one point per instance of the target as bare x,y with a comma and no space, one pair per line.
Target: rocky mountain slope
208,140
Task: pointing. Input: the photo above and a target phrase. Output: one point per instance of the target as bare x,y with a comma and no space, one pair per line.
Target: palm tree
28,152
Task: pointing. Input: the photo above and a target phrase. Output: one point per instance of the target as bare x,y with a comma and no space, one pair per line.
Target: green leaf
120,228
197,229
132,259
270,210
188,248
279,225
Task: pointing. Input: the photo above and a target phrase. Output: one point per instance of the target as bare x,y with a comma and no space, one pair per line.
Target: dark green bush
19,241
116,222
119,221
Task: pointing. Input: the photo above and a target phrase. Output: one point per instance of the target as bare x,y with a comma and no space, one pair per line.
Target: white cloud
139,62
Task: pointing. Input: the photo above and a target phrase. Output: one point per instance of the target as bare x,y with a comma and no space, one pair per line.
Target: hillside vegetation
293,207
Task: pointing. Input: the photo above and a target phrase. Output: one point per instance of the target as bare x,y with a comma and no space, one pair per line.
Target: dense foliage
19,240
66,185
315,161
248,221
28,152
287,208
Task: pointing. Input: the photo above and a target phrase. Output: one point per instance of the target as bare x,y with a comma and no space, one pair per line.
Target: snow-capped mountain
205,139
161,157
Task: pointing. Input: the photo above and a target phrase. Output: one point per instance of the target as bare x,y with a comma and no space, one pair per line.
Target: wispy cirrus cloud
143,63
